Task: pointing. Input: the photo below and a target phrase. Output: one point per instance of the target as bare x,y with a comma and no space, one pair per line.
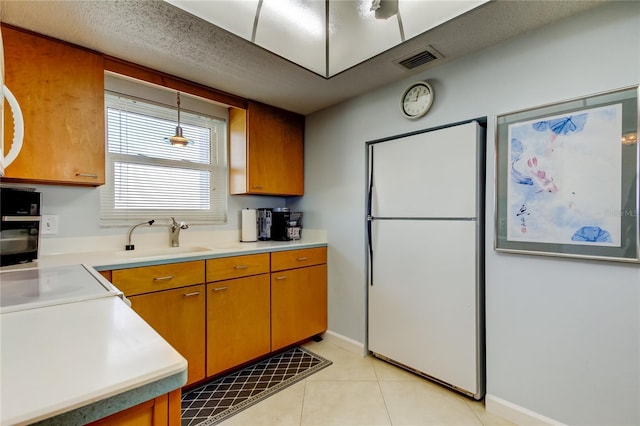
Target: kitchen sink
166,251
236,245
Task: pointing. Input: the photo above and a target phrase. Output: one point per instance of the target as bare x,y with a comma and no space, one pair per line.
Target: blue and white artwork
565,178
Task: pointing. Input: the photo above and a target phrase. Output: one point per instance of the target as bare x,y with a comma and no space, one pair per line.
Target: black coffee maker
279,222
285,224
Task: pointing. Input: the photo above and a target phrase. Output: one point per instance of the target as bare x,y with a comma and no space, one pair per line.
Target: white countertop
58,358
32,288
145,255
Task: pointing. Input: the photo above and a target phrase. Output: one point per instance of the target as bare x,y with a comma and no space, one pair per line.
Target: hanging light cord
178,108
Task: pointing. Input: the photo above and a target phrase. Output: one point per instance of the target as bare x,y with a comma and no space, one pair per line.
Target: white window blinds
148,178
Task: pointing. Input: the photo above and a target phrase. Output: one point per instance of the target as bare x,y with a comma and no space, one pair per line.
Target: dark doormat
220,399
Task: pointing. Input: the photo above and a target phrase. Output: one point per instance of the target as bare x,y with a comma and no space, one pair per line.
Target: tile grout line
384,400
304,396
474,412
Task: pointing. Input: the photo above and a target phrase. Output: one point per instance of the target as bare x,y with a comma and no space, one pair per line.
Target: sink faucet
174,232
130,246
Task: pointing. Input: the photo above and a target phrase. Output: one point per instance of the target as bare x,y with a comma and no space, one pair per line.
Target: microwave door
19,237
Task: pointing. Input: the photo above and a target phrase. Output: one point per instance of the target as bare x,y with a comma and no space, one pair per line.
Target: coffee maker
285,224
279,221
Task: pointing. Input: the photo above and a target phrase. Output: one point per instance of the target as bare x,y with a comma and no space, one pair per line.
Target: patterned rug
220,399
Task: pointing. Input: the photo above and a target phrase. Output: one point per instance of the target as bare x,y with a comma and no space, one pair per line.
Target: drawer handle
195,293
241,267
220,288
167,278
281,278
89,175
300,259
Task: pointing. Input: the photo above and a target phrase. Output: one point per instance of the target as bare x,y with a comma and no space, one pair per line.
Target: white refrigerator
426,254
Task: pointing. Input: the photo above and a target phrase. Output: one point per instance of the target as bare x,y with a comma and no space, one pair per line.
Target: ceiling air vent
418,59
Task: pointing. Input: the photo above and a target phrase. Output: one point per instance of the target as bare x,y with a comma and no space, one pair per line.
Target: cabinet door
275,150
298,305
60,89
178,316
267,158
238,328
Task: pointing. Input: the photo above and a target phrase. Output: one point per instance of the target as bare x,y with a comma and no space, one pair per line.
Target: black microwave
20,225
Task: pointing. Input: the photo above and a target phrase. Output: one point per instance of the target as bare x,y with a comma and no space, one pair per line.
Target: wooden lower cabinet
178,315
238,322
298,305
251,305
164,410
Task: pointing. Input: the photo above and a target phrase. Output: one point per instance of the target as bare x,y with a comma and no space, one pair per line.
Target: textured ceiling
159,35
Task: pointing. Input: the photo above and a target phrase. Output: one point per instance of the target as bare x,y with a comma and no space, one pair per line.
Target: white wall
563,335
78,211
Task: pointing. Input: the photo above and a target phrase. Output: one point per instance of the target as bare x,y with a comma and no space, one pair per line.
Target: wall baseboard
515,413
344,342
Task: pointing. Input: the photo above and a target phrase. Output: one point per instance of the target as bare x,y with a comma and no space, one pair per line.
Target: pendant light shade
178,139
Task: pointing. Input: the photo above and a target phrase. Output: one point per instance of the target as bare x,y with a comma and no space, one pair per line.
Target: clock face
417,100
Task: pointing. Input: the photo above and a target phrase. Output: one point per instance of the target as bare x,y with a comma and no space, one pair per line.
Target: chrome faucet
130,246
174,232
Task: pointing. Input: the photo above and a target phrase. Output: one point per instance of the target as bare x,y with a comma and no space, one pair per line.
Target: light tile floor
359,390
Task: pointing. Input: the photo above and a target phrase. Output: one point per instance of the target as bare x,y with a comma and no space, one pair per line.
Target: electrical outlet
49,224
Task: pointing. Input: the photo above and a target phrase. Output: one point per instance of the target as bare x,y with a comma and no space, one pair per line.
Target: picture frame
567,178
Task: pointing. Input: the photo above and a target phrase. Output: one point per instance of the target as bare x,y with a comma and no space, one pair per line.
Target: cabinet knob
241,267
281,278
89,175
195,293
300,259
220,288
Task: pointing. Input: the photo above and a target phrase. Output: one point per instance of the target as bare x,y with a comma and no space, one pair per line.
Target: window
148,178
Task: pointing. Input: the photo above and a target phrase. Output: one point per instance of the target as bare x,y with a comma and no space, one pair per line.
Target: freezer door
423,305
431,174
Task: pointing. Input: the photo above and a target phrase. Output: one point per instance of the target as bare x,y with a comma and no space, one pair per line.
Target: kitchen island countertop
78,361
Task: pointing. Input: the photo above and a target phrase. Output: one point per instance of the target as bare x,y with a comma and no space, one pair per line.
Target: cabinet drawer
291,259
226,268
160,277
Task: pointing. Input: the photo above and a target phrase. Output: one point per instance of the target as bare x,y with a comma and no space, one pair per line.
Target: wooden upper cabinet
60,89
266,151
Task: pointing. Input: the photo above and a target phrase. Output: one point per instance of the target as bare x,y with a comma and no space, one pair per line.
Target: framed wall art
567,178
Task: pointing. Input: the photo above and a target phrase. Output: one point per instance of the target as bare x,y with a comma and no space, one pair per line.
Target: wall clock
416,100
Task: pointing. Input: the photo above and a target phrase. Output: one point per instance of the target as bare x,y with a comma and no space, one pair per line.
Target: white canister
249,226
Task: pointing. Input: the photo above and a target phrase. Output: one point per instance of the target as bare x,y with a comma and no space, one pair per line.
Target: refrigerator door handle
370,194
370,218
369,222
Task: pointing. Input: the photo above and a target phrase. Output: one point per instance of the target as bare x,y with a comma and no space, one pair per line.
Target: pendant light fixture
178,139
